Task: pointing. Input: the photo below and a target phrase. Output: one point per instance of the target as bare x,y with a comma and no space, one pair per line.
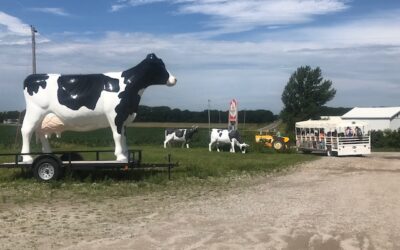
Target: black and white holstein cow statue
179,135
224,136
55,103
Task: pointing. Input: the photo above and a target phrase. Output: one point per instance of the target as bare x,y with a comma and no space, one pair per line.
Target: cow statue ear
151,56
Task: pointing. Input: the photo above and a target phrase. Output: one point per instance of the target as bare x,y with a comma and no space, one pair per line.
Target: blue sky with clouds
218,49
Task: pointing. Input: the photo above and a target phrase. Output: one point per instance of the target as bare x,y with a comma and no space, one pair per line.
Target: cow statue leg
187,144
233,142
210,146
121,148
167,140
33,118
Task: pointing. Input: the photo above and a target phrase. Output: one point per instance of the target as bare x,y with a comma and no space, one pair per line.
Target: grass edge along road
198,168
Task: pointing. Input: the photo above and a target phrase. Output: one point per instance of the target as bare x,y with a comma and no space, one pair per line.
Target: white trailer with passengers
333,136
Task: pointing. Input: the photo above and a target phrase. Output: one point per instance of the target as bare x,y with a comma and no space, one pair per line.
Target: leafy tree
333,111
304,95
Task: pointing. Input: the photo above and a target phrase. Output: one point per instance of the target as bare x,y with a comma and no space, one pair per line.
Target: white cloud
120,4
249,14
54,11
13,25
117,7
230,16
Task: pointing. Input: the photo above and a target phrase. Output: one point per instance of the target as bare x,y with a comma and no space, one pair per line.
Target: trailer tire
47,169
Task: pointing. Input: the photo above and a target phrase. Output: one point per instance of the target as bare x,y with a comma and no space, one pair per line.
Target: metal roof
372,113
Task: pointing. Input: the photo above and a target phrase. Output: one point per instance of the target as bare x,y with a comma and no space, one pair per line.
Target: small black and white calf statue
179,135
55,103
224,136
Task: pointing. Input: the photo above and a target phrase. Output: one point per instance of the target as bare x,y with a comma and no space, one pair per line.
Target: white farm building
380,118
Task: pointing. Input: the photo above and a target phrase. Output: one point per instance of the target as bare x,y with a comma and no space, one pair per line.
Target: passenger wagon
333,136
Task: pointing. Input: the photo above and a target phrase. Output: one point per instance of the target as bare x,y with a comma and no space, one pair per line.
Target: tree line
9,115
166,114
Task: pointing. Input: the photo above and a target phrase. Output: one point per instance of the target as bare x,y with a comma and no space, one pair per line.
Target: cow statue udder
88,102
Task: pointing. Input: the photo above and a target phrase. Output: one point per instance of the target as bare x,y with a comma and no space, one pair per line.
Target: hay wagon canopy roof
330,123
372,113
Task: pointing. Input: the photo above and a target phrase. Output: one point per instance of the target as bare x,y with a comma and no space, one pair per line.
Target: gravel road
330,203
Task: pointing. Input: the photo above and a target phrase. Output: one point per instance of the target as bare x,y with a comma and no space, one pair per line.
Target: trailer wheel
46,169
278,145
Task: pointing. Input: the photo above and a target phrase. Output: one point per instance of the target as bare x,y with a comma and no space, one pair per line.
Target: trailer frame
49,166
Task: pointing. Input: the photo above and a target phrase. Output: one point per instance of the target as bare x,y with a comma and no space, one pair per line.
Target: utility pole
33,31
244,119
209,119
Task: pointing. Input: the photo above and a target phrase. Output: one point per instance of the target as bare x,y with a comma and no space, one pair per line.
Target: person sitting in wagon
348,132
358,131
321,138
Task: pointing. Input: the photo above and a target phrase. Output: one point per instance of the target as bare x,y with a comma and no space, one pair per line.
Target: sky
217,49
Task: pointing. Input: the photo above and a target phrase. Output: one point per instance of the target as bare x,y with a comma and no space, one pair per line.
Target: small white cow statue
224,136
55,103
179,135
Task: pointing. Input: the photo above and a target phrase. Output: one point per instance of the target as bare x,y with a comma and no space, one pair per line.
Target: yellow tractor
279,143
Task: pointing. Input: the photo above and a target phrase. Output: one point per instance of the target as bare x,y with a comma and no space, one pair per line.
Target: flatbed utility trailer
50,166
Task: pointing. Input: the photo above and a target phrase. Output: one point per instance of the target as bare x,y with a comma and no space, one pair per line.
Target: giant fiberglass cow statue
225,136
55,102
182,135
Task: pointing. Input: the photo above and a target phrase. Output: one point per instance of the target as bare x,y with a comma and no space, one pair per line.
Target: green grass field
197,166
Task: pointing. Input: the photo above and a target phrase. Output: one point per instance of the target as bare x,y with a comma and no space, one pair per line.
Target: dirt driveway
332,203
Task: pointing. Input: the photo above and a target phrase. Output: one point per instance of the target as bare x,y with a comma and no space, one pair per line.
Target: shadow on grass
135,175
156,176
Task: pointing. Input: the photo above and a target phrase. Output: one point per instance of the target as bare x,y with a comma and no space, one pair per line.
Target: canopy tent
331,123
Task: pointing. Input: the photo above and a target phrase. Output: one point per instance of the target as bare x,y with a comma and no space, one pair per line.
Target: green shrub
385,139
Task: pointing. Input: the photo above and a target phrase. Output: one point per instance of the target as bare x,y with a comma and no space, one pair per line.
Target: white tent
332,123
329,123
380,118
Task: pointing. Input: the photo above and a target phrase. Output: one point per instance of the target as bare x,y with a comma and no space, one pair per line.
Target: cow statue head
150,71
194,128
190,132
243,147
